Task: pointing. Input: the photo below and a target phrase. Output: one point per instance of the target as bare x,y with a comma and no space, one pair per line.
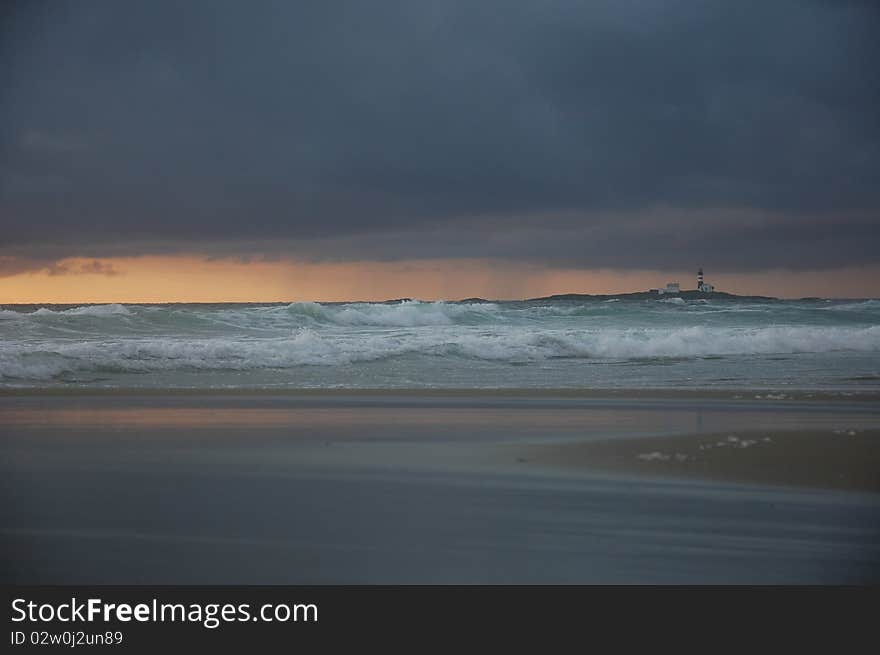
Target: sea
658,343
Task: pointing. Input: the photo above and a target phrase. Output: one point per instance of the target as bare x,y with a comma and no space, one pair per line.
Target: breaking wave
86,310
409,313
310,347
399,343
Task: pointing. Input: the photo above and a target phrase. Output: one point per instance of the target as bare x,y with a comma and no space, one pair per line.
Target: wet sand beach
439,487
841,458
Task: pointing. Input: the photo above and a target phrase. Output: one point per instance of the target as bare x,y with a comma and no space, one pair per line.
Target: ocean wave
279,320
113,309
855,306
411,313
45,360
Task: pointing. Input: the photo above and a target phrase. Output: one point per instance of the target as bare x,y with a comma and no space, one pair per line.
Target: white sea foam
653,456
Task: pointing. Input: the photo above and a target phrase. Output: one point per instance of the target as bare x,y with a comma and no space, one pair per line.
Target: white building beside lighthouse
671,287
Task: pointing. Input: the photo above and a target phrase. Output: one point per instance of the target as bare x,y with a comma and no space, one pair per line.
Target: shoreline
841,459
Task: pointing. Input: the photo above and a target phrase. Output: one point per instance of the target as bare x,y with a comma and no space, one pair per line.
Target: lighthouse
701,285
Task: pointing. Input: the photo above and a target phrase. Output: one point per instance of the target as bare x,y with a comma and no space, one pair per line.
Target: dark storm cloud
623,134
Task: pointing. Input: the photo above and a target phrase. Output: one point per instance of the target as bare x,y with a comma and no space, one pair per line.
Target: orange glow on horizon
195,279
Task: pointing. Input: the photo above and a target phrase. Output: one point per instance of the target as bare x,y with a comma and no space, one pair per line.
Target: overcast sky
622,134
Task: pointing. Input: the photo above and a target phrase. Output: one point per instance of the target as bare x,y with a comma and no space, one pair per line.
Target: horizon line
554,296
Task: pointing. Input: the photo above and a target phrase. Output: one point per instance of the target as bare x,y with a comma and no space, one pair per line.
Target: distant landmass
691,294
